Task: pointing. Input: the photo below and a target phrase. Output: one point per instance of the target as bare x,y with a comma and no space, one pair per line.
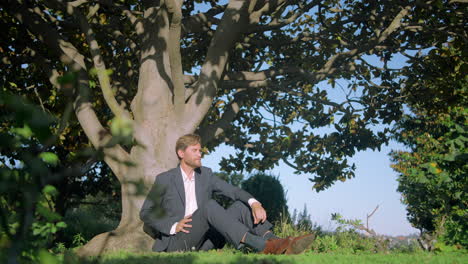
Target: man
181,209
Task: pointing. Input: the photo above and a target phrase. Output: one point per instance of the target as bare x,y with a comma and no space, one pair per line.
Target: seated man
191,219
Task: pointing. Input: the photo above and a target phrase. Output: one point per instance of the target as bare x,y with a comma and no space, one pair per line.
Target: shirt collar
185,177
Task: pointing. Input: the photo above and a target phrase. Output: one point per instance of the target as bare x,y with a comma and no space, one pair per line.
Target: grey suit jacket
165,203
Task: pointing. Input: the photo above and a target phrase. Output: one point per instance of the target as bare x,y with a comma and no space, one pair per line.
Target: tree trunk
159,117
129,234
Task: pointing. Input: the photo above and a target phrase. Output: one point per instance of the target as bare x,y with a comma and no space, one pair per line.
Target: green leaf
92,84
61,224
50,190
49,157
122,128
48,214
47,258
67,78
24,132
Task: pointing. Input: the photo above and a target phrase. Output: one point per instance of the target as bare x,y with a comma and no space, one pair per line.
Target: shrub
269,191
89,219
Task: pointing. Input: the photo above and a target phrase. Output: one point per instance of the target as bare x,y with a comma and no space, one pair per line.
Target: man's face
191,156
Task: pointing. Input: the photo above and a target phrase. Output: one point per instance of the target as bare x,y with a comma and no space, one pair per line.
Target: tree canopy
249,74
433,172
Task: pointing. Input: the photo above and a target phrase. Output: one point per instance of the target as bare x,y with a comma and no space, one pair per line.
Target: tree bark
160,117
156,128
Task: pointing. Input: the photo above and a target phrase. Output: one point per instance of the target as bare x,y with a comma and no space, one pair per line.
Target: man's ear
180,153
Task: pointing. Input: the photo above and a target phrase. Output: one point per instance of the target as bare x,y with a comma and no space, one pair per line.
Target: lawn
230,257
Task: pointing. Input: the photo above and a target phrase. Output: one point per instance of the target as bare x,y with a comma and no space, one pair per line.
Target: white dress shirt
191,198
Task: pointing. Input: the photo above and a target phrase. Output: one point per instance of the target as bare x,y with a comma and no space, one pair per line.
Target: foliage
290,227
268,190
345,239
278,63
406,247
350,236
28,218
433,172
96,214
303,220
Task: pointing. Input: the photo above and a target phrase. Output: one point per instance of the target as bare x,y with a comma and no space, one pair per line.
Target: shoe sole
300,245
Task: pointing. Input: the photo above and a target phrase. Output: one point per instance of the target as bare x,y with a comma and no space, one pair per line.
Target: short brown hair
187,140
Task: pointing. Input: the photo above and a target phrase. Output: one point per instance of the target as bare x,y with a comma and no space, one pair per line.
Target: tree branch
202,22
278,23
232,24
100,66
216,129
131,15
174,8
396,23
115,156
66,52
247,84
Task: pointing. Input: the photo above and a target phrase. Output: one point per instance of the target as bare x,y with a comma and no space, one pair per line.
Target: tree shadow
189,258
151,259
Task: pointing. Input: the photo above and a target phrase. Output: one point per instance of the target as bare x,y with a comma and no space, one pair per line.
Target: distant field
229,257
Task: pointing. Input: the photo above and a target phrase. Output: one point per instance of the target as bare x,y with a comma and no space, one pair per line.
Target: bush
269,191
89,219
409,246
325,244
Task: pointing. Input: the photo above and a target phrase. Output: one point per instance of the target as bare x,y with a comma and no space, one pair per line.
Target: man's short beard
194,164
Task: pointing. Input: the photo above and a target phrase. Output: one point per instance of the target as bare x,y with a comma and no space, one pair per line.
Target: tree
244,73
433,172
304,221
269,191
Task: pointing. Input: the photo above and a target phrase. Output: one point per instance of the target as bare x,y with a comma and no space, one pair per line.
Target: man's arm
154,210
236,193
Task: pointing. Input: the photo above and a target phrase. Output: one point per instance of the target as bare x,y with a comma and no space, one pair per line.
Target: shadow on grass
187,259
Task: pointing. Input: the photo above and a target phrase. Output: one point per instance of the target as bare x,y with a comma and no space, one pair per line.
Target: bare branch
369,216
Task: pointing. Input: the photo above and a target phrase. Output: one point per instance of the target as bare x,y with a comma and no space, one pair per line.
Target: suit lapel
198,186
179,184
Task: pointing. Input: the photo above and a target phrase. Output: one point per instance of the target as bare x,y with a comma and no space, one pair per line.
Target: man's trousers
211,224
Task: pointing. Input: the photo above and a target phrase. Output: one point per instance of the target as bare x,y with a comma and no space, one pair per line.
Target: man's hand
259,214
182,224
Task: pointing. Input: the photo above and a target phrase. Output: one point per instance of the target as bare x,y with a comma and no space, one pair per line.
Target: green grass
237,257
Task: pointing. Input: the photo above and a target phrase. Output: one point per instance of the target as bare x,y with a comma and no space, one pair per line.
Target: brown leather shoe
299,244
276,246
